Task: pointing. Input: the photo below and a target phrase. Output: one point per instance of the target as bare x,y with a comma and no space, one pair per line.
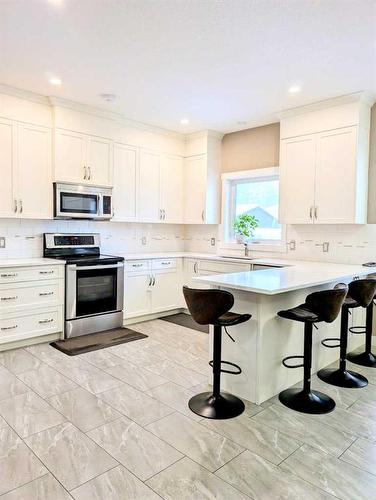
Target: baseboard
149,317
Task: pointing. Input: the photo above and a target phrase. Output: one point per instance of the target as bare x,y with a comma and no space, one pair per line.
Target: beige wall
252,148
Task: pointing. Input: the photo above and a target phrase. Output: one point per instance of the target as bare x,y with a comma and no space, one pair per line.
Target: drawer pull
136,265
44,294
10,275
9,298
46,272
3,328
166,263
43,321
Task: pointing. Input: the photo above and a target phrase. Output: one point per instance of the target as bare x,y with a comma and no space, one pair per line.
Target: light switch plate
2,241
143,240
212,242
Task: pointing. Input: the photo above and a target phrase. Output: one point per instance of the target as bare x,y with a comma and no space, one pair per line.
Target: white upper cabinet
125,183
297,179
172,169
81,158
99,161
195,190
324,174
34,179
7,167
70,156
202,185
149,208
25,166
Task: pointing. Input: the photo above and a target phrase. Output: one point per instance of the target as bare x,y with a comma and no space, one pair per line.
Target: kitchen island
266,339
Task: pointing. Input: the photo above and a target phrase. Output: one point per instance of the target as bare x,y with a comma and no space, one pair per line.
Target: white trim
227,178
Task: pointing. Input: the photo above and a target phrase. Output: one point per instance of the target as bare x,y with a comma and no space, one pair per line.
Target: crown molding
360,97
83,108
23,94
206,134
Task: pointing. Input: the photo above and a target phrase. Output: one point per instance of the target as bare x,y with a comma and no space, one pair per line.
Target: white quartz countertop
188,255
30,262
296,275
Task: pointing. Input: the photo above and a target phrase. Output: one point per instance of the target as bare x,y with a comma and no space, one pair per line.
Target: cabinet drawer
30,324
19,274
163,264
223,267
21,295
137,265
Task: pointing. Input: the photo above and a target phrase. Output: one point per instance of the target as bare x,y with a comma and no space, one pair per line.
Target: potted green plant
244,227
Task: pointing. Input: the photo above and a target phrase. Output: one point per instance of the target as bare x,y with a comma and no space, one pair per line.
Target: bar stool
360,294
366,358
211,307
318,307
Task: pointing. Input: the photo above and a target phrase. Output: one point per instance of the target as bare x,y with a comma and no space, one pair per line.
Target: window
256,193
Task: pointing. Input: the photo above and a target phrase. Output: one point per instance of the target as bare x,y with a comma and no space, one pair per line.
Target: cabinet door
195,172
165,294
297,179
70,156
7,168
137,294
149,187
336,182
99,161
34,176
172,189
125,183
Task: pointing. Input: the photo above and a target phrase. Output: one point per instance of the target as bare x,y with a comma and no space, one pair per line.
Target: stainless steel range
93,283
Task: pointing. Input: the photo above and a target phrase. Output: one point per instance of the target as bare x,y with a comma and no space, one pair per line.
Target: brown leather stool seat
212,307
318,306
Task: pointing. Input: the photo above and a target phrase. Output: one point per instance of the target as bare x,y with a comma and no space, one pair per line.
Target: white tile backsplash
24,238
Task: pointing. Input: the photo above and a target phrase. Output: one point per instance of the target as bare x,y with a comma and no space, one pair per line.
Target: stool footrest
231,372
324,342
357,330
292,366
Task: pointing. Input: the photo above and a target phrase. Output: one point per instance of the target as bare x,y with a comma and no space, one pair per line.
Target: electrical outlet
143,240
325,246
2,241
212,242
292,245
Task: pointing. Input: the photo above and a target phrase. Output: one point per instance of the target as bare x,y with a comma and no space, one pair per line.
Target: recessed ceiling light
184,121
55,81
109,97
56,2
294,89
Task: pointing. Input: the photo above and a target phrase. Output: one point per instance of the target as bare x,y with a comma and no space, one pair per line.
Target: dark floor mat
96,341
186,320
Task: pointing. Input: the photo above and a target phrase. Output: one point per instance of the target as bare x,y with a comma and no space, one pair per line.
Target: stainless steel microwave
75,201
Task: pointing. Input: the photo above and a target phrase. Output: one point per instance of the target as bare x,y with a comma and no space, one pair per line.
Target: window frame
227,179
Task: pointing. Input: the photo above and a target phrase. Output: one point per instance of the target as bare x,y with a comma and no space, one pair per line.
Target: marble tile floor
114,425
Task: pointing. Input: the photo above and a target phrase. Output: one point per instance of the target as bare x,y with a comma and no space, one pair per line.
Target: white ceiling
216,62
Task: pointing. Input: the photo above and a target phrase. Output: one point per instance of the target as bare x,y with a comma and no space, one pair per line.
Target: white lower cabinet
31,302
151,287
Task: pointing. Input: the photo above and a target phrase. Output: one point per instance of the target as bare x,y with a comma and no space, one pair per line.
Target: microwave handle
74,268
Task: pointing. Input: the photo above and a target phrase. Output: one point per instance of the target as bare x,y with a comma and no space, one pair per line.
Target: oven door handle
73,267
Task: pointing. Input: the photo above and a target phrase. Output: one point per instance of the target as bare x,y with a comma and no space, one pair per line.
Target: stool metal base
218,407
363,359
313,402
342,378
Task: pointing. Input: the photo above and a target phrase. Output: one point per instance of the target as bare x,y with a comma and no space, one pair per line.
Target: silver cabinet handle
153,281
160,214
43,321
137,265
203,216
3,328
46,272
9,275
15,206
310,212
195,268
165,263
89,175
21,206
10,298
45,294
85,173
164,214
316,213
150,279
